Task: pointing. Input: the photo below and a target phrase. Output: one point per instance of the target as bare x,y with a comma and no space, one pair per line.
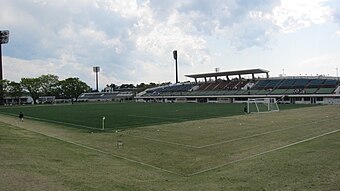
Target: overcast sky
132,40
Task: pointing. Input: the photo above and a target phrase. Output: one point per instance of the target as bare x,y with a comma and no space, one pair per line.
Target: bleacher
175,89
238,86
104,96
274,86
295,86
301,83
286,83
325,90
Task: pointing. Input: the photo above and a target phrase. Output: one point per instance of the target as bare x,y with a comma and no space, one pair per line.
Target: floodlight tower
4,37
175,57
96,69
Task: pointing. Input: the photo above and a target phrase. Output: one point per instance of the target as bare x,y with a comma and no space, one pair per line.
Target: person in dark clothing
245,109
21,117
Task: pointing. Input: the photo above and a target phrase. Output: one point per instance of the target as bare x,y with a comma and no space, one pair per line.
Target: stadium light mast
96,69
175,57
4,38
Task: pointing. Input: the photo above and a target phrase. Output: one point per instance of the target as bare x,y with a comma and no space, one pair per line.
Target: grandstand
105,96
238,86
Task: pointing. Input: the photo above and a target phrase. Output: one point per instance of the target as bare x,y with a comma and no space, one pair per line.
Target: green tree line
45,85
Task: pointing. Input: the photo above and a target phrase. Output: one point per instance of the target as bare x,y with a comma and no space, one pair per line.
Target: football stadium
248,127
184,136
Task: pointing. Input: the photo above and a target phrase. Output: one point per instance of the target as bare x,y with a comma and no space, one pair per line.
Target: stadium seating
325,91
269,86
314,83
300,83
287,83
104,96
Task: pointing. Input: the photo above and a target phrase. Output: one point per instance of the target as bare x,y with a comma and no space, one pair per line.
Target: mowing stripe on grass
263,153
166,118
161,141
265,133
232,140
57,122
104,152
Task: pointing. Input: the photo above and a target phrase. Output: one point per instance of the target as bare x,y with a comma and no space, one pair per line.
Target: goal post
262,105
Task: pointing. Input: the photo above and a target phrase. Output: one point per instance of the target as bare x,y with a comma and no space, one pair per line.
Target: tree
48,84
4,85
14,90
33,86
127,86
111,86
72,88
143,86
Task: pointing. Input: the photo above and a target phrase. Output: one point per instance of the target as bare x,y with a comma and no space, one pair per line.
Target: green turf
295,149
128,115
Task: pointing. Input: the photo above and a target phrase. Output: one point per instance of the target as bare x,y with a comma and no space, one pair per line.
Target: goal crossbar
262,105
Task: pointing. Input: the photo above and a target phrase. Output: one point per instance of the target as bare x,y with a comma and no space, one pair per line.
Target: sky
132,40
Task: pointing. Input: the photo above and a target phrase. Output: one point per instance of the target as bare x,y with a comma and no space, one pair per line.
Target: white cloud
133,40
293,15
126,9
319,65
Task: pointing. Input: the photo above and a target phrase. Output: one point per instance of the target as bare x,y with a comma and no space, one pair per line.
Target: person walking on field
21,117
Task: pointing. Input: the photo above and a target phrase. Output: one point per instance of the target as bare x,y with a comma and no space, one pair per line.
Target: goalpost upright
261,105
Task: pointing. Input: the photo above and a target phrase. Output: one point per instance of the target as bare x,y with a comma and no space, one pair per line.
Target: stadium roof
230,73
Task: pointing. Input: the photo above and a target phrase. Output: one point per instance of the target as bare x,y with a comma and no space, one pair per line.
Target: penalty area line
263,153
161,141
107,153
227,141
264,133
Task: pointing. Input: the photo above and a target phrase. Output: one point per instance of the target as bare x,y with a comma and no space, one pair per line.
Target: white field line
231,140
58,122
161,141
184,145
260,134
65,123
107,153
199,172
263,153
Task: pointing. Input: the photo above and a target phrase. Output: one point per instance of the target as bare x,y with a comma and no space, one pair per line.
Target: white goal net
261,105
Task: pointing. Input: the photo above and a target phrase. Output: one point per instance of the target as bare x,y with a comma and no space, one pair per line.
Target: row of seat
173,88
104,95
246,92
294,83
244,87
222,85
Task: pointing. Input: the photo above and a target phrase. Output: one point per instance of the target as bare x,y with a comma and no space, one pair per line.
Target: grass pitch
126,115
291,150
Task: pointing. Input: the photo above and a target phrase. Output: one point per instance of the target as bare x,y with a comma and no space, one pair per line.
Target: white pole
103,123
248,106
269,104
